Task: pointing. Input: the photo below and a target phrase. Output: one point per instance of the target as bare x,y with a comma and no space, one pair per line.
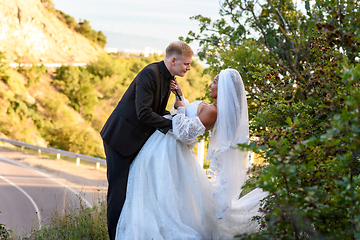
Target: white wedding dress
169,195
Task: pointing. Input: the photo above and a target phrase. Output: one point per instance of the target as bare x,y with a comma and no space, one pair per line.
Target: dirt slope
28,31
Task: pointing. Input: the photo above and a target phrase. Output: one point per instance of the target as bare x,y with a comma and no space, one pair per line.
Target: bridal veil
228,164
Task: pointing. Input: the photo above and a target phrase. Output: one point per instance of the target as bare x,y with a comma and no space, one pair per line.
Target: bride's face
213,87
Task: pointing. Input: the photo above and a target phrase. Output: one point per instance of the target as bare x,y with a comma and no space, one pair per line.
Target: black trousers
117,174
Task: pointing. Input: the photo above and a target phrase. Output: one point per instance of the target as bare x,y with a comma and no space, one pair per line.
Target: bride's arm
173,111
186,129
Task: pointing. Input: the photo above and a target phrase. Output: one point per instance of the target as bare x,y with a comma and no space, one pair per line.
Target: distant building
145,52
148,51
111,50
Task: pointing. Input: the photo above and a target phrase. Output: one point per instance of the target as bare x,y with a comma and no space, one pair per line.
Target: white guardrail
58,152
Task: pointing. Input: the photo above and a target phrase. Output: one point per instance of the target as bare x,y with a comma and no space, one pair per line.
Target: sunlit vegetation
66,107
302,73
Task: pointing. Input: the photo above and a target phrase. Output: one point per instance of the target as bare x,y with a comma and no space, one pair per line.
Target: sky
137,25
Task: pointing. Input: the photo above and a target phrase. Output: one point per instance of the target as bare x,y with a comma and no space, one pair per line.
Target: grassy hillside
66,107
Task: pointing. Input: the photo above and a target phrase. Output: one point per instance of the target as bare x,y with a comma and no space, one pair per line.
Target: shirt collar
167,74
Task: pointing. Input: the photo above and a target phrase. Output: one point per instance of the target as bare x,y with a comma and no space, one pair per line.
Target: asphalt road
30,196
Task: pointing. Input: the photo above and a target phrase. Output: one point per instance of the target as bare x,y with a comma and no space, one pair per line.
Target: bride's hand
179,104
174,85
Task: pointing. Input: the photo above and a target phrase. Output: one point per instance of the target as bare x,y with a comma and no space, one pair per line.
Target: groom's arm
144,97
165,112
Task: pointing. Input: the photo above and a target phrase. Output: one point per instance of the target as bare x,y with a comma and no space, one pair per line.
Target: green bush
4,233
82,223
76,84
3,67
302,77
85,29
106,66
311,151
76,138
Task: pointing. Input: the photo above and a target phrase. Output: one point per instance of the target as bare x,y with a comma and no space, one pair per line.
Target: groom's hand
179,104
175,85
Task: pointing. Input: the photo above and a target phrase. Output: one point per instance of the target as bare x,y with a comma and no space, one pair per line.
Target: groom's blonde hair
179,48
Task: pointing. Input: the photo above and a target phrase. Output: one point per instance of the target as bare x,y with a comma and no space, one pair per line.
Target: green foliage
75,138
3,67
66,109
69,20
32,74
301,72
82,223
282,32
312,151
85,29
106,66
76,84
4,233
313,171
16,109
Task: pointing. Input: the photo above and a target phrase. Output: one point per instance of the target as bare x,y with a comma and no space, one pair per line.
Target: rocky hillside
29,33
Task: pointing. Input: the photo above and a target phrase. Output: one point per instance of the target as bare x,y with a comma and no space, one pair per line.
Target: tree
69,20
101,39
76,84
280,36
85,29
303,84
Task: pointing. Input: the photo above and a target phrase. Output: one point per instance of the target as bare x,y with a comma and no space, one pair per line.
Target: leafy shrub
82,223
302,77
32,74
76,84
106,66
85,29
4,233
3,67
75,138
312,154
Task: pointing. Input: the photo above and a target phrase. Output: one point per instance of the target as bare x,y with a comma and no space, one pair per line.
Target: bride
169,195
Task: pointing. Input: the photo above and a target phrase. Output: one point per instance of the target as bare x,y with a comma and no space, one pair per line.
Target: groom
137,115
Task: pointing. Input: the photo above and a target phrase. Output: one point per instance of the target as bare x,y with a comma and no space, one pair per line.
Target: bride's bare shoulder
205,105
208,115
202,105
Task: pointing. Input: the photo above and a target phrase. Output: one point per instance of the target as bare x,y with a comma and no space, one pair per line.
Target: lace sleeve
186,129
173,110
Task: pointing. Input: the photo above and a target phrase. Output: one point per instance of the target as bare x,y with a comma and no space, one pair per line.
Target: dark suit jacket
140,110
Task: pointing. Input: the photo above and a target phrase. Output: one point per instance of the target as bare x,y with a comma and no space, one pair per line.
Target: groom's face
181,65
